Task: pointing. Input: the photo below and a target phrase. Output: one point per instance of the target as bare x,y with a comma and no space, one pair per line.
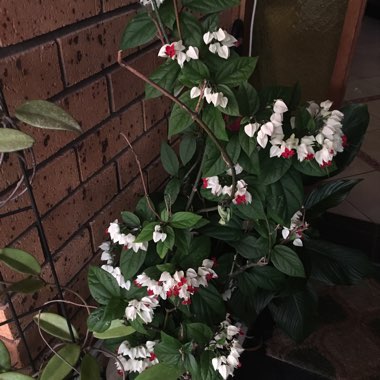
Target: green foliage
187,148
183,219
117,329
139,31
235,71
194,73
248,99
5,358
160,371
14,376
131,262
102,285
20,261
28,285
191,29
213,118
13,140
169,159
46,115
89,369
55,325
287,261
130,219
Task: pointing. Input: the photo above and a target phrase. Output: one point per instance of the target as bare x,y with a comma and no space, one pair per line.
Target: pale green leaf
117,330
20,261
12,140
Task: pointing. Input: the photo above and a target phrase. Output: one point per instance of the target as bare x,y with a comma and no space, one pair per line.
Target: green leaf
213,118
335,264
12,140
5,358
327,195
180,119
232,107
311,168
247,144
130,219
117,329
200,249
43,114
213,163
235,71
287,261
187,148
172,190
224,233
14,376
191,29
184,219
146,233
304,122
296,314
144,211
139,31
169,350
55,325
167,14
102,285
248,100
27,286
210,23
272,169
266,277
96,321
233,148
160,371
89,369
20,261
251,163
199,332
194,73
165,76
115,309
56,368
169,159
208,306
210,6
247,247
131,262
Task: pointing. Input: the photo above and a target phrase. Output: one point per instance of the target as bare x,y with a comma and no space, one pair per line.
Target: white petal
267,128
279,106
208,37
192,52
250,129
181,58
298,242
262,138
223,51
195,92
162,51
285,233
326,105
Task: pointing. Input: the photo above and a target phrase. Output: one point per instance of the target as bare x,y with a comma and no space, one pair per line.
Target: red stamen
288,153
205,183
325,164
152,356
120,372
344,141
309,156
186,302
241,200
170,51
150,292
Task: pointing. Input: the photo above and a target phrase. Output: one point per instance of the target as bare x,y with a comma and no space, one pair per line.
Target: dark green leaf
199,332
235,71
130,219
56,368
96,321
102,285
213,118
14,376
210,6
55,325
248,99
247,247
5,358
168,351
131,262
194,73
250,164
213,162
210,23
183,219
191,29
27,286
144,211
172,190
139,31
199,250
12,140
224,233
169,159
327,195
312,168
296,314
165,76
266,277
160,371
247,143
146,233
187,148
232,107
272,169
20,261
287,261
304,122
89,369
233,148
167,14
44,114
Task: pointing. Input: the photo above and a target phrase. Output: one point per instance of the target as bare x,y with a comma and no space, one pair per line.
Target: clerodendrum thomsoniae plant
233,232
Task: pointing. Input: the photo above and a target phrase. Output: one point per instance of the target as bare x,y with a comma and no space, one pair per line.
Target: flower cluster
143,308
106,252
227,349
241,196
216,98
322,147
295,231
158,235
220,42
115,272
179,284
136,359
175,51
128,241
149,2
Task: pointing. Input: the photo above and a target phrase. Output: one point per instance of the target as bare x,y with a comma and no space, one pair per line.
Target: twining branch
262,262
226,158
161,25
177,19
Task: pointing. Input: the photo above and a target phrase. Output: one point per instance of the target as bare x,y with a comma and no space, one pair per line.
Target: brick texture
83,181
32,74
51,15
92,49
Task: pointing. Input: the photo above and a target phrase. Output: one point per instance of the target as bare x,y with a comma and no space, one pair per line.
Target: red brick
63,221
13,225
29,242
155,110
91,49
126,86
148,147
10,171
17,24
156,175
109,5
55,181
127,168
32,74
89,105
124,201
100,147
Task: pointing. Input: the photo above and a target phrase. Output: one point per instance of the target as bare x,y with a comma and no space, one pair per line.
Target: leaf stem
226,158
197,179
177,19
262,262
155,8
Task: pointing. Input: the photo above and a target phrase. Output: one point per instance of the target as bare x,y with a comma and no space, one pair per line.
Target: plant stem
177,19
195,187
155,8
204,210
262,262
226,158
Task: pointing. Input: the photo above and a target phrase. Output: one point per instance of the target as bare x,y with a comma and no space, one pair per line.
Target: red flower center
288,153
344,141
150,292
241,200
309,156
325,164
204,183
186,302
170,51
152,356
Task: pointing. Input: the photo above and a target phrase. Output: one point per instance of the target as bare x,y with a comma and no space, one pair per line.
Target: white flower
106,254
143,309
192,53
238,170
195,92
175,51
149,2
326,105
224,41
213,184
280,107
116,274
242,196
158,235
251,128
262,138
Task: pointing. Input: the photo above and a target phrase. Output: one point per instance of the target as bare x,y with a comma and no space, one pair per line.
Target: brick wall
65,52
